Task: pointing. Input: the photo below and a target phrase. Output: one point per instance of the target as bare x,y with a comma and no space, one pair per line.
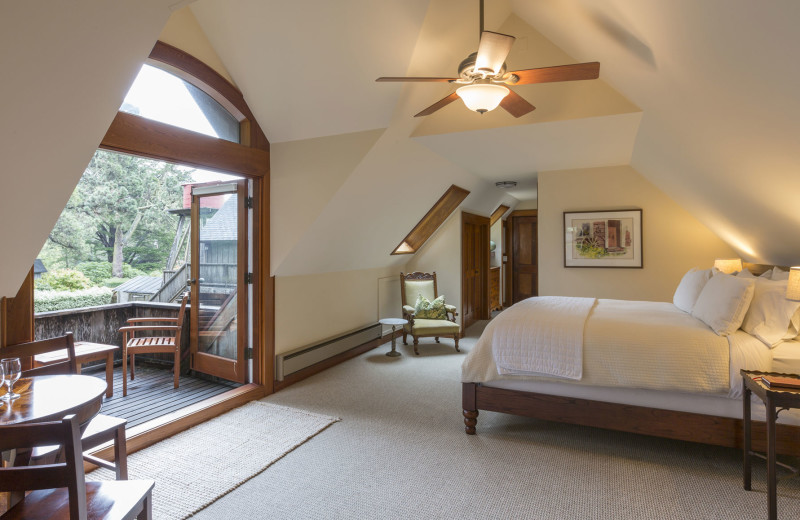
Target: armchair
411,286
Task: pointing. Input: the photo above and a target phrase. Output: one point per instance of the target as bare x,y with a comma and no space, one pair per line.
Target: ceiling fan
483,76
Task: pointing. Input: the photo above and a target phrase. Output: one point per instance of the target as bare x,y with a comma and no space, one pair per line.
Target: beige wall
315,307
183,31
442,253
673,240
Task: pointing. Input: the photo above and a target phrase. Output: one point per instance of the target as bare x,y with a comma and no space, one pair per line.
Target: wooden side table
775,399
85,352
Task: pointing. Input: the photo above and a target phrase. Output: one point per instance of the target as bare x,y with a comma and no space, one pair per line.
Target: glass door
219,329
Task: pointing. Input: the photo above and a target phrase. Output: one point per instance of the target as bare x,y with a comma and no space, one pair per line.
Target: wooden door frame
214,365
250,158
509,297
483,267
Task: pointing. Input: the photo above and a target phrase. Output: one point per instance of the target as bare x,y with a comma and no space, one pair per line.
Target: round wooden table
51,398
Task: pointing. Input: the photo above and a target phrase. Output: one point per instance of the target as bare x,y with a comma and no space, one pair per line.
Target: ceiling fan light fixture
482,97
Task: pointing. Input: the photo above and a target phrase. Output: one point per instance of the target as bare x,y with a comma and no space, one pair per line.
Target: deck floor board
151,394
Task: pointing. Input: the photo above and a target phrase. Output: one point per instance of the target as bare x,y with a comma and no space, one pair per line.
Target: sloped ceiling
717,83
308,71
66,68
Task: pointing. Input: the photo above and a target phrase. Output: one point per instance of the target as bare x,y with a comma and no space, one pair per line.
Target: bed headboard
758,269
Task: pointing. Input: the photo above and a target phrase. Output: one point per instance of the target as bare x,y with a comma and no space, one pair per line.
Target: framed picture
603,238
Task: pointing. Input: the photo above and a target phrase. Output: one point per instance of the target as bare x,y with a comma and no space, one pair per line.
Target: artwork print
603,239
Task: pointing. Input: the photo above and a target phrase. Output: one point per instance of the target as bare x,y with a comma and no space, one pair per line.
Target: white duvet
636,344
542,336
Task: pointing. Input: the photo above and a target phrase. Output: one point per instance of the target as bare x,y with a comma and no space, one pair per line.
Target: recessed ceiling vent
506,184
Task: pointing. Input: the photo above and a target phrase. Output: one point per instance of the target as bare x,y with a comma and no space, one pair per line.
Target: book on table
781,381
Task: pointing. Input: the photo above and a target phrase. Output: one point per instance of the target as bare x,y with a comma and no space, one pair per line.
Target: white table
393,322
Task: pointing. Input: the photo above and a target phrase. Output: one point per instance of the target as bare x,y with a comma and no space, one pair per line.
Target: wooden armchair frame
101,429
408,313
60,489
169,344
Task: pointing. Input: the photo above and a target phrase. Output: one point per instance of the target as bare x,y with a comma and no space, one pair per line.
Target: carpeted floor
222,453
400,452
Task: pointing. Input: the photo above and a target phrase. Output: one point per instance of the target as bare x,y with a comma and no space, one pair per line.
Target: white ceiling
703,93
308,68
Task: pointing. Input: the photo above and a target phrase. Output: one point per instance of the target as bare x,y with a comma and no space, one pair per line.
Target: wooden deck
152,395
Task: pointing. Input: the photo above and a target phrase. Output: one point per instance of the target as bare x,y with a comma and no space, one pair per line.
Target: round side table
393,322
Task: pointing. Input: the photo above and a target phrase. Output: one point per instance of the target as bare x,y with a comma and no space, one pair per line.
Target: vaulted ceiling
697,96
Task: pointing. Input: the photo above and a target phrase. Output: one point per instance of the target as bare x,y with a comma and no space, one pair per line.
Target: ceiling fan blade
559,73
439,104
492,52
516,104
416,78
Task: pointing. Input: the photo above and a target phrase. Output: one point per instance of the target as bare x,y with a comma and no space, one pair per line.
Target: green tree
120,207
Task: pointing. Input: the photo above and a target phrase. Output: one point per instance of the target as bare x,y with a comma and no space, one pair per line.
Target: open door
219,278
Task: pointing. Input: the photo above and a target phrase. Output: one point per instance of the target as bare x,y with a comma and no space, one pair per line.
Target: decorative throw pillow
689,288
723,302
770,315
779,274
430,310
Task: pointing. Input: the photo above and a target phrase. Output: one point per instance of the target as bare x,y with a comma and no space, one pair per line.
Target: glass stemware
12,369
2,377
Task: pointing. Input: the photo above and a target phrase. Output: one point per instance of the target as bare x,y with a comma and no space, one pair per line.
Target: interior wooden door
474,269
219,269
524,262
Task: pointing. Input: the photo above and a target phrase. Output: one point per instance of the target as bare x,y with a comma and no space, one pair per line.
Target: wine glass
2,376
12,369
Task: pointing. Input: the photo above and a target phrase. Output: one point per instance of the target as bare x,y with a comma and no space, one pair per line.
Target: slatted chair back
68,474
26,351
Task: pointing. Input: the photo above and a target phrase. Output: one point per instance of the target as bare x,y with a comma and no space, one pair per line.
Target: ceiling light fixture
506,184
482,97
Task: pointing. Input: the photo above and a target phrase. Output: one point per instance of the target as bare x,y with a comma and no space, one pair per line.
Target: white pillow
745,273
723,302
779,274
689,288
770,313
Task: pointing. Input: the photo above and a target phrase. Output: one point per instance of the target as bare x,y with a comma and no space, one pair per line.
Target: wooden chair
411,286
60,490
101,429
167,343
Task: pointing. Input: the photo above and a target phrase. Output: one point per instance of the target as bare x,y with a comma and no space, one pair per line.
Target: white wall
66,69
442,253
673,240
315,307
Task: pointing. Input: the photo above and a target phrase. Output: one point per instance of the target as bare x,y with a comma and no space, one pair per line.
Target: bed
680,382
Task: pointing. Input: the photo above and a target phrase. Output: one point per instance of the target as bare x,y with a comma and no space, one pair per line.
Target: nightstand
775,399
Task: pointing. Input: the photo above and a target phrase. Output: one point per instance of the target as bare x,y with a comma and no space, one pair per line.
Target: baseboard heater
303,357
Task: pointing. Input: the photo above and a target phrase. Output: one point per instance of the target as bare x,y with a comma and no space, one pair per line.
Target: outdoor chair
60,490
428,322
169,342
101,429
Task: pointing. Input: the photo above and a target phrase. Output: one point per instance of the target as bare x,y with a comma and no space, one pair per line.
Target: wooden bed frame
686,426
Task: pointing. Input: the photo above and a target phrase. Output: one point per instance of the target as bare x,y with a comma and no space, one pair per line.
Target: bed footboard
670,424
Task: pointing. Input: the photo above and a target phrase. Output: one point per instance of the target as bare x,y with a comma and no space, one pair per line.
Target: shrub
65,280
44,301
100,272
95,271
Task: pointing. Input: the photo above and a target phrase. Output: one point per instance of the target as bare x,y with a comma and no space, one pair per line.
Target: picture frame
603,238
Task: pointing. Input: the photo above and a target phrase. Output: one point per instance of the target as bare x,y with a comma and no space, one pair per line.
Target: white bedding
648,345
542,336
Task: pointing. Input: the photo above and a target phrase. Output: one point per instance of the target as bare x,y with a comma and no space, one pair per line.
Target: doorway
524,255
219,331
474,269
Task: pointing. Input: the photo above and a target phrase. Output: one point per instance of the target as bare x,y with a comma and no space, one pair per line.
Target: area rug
194,468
